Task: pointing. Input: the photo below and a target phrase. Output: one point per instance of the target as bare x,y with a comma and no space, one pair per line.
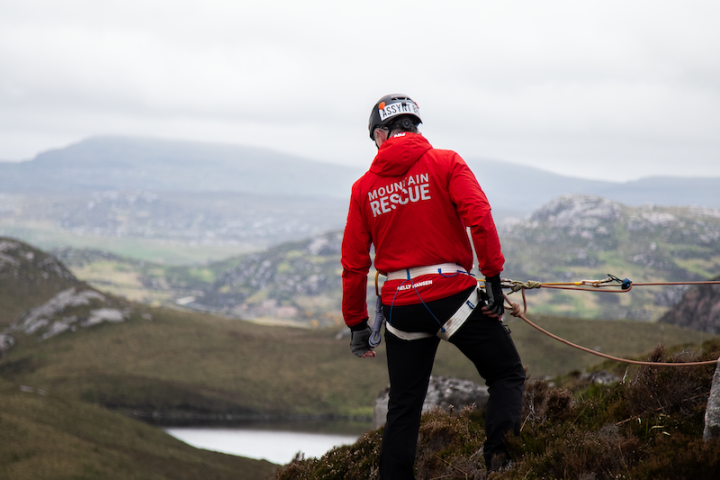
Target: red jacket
413,205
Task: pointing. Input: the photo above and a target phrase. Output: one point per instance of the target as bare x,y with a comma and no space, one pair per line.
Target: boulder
603,377
712,413
442,392
6,341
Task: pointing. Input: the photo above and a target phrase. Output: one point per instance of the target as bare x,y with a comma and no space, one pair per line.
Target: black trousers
481,339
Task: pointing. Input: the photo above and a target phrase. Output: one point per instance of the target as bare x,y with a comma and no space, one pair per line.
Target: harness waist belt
442,269
450,327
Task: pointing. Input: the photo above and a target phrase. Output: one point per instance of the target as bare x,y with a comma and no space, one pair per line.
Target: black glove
360,340
496,300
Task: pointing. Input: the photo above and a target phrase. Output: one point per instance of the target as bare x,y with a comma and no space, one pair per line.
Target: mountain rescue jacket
414,205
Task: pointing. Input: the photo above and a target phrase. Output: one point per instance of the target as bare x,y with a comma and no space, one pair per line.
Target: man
414,205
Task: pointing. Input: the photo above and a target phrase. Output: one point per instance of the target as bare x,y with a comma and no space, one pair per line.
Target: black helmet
389,107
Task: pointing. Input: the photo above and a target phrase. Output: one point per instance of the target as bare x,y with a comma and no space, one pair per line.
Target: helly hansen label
406,286
411,189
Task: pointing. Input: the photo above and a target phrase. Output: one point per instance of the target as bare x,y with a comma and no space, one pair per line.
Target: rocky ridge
297,281
65,312
23,263
47,296
576,237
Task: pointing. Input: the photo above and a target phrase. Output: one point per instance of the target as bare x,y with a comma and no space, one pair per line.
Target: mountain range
120,163
184,202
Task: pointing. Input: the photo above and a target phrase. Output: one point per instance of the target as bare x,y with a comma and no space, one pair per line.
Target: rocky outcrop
40,316
442,392
298,281
575,234
25,264
28,276
67,310
712,413
699,309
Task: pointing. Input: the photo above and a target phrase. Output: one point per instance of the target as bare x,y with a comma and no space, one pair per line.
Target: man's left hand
496,299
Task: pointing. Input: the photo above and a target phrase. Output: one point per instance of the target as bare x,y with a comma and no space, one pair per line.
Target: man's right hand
360,341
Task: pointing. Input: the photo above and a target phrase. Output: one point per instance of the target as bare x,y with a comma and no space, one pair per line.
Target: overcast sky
613,90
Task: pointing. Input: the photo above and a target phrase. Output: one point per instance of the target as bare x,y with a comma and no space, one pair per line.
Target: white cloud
564,85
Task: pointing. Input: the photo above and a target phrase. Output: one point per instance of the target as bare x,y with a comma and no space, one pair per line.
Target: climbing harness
459,317
611,284
447,329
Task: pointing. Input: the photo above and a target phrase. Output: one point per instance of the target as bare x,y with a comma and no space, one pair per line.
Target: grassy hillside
47,433
183,362
158,359
196,366
187,362
190,363
43,436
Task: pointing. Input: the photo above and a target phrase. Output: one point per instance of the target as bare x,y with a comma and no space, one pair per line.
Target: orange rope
598,287
604,355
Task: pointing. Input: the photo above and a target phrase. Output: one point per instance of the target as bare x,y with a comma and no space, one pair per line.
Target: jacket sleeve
356,264
474,210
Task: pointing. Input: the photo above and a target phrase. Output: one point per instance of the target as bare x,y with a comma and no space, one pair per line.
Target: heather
647,425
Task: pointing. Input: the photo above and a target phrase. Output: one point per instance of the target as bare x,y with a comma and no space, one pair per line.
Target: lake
273,441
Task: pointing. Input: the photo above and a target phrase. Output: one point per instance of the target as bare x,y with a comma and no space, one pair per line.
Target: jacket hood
398,154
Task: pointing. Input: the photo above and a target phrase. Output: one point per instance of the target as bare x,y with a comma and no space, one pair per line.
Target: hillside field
62,396
191,363
44,436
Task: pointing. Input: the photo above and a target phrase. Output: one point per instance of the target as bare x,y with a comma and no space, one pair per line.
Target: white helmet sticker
399,109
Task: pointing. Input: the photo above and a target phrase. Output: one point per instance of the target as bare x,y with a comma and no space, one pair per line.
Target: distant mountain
523,189
205,195
120,163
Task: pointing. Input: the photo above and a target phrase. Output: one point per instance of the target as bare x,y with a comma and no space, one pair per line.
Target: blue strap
397,290
457,272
